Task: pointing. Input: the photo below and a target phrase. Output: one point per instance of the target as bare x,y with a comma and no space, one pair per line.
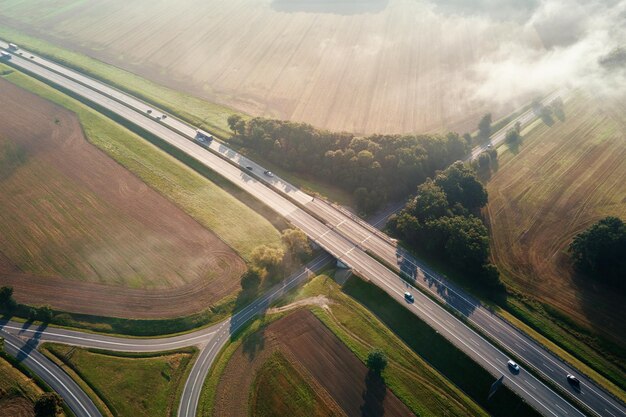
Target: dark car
573,381
409,297
269,173
249,168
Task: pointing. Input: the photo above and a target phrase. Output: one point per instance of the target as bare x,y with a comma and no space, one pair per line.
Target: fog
574,38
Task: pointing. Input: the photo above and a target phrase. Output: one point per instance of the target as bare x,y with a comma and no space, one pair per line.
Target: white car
513,366
269,173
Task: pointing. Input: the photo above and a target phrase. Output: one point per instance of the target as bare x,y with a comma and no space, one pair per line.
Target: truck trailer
5,55
12,47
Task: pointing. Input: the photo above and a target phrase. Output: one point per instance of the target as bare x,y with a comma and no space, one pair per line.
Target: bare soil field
563,179
337,376
77,225
386,66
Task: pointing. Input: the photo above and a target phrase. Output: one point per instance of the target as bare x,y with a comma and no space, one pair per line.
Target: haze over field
364,66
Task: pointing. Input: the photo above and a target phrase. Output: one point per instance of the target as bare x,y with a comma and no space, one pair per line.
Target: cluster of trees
9,305
600,252
376,168
48,405
271,259
442,220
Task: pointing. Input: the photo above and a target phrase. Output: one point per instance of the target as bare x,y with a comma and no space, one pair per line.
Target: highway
351,240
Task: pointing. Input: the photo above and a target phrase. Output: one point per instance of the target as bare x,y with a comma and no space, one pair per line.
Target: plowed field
365,66
565,178
340,380
80,232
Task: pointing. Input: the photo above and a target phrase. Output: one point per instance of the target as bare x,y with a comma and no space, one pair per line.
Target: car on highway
269,173
513,366
249,168
409,297
149,111
573,381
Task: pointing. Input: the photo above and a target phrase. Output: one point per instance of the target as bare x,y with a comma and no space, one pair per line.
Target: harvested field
563,179
72,213
367,66
340,380
16,407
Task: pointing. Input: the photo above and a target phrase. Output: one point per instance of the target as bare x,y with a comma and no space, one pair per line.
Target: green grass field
227,216
279,390
130,385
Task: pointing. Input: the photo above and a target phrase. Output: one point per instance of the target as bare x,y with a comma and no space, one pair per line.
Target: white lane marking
109,342
561,409
610,412
52,375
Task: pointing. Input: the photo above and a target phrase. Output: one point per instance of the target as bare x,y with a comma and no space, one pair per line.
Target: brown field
564,178
338,377
76,225
384,66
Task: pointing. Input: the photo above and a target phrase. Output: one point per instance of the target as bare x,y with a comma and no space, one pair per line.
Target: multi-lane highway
351,240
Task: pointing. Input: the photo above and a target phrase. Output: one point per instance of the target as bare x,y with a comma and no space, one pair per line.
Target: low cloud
572,39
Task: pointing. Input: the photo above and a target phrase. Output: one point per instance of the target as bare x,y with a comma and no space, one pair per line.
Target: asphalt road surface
351,240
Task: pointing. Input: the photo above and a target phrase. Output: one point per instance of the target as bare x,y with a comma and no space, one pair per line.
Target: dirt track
335,372
81,233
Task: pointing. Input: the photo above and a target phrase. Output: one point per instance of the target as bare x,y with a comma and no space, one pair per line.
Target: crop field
328,377
564,178
141,385
72,213
384,66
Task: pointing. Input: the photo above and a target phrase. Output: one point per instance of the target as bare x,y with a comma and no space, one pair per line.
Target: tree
45,314
297,242
376,361
600,251
461,186
429,203
7,301
484,127
236,124
48,404
267,257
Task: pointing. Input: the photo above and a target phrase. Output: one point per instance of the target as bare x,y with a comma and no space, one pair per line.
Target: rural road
351,240
22,339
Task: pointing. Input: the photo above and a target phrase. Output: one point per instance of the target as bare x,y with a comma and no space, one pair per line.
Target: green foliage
438,220
375,169
297,243
600,251
267,257
376,361
48,404
484,127
7,302
462,187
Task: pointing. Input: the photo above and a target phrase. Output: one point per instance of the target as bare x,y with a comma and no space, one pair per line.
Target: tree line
442,220
375,169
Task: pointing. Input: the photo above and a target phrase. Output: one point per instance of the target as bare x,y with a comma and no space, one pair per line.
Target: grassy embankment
201,113
198,191
18,391
124,384
560,179
426,372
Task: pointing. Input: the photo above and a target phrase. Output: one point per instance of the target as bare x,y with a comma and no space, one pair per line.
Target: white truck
13,47
203,136
5,55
